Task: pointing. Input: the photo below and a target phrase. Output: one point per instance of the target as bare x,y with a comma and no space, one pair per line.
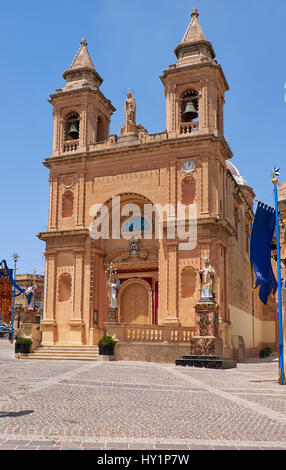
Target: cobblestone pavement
135,405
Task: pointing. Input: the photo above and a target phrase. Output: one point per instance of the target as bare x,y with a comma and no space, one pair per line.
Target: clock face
188,166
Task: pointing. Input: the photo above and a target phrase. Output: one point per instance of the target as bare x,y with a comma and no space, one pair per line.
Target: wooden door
134,305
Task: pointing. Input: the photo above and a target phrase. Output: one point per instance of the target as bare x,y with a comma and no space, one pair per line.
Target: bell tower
81,111
194,86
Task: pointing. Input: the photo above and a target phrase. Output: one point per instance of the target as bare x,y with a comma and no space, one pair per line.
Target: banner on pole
260,251
6,294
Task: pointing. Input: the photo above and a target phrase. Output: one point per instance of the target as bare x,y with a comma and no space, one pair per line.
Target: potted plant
106,345
18,343
268,351
23,345
262,354
265,352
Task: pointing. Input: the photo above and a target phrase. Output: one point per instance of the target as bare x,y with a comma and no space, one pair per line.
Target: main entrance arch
135,302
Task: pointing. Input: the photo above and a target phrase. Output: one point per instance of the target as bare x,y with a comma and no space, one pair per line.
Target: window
135,224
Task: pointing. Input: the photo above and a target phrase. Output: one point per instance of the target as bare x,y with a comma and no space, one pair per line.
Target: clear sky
131,43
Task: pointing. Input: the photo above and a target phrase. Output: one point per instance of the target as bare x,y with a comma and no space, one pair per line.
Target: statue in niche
207,276
113,284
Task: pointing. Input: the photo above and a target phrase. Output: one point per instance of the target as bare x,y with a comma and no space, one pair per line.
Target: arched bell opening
101,130
189,106
71,129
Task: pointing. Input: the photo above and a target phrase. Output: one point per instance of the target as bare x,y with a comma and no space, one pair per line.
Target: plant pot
25,348
106,350
17,348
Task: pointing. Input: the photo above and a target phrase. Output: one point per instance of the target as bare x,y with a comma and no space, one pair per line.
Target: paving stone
141,406
224,448
41,443
198,447
16,442
171,447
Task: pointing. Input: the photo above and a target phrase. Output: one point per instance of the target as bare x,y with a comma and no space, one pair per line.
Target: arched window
189,107
135,224
65,287
188,190
188,282
71,130
100,135
67,204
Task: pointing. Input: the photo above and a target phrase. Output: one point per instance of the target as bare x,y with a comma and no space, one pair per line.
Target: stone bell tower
81,112
194,86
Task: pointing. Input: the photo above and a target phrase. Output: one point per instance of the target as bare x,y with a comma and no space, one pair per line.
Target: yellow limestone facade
188,164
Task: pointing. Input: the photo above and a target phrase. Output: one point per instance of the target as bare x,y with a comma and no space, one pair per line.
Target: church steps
76,353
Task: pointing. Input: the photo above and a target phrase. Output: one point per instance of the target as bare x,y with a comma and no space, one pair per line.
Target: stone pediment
145,254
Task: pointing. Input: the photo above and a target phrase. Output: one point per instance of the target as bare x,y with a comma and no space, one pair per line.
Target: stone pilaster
172,283
76,323
48,324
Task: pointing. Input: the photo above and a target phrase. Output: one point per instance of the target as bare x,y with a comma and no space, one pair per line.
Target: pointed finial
83,42
195,13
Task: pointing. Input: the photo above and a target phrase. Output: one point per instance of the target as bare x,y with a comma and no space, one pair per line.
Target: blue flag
260,250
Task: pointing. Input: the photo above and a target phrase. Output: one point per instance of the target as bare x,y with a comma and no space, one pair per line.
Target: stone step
44,349
76,353
59,357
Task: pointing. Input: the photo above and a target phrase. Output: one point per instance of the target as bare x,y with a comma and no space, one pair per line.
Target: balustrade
189,127
156,334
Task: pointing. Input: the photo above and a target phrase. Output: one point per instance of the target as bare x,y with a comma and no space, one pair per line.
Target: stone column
48,324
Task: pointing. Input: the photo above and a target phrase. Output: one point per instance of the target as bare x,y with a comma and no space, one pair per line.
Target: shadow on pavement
13,414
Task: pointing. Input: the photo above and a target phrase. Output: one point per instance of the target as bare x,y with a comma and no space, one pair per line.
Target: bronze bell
74,130
190,111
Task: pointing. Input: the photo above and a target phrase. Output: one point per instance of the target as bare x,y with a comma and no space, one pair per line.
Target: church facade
98,179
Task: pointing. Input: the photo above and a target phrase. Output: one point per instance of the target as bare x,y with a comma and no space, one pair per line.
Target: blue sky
131,43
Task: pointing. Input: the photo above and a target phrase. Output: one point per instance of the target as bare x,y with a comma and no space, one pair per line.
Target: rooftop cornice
110,151
80,91
205,64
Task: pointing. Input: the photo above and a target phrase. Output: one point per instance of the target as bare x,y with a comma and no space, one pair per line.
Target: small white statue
207,282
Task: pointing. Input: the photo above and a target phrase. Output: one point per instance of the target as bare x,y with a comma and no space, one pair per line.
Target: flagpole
280,320
16,257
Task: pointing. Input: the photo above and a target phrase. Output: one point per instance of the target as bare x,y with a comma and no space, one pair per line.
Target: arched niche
65,287
188,190
67,204
188,282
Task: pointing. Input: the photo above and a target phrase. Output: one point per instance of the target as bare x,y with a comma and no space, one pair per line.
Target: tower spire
194,48
194,31
82,72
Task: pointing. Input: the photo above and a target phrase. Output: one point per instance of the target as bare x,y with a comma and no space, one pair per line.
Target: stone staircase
71,353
